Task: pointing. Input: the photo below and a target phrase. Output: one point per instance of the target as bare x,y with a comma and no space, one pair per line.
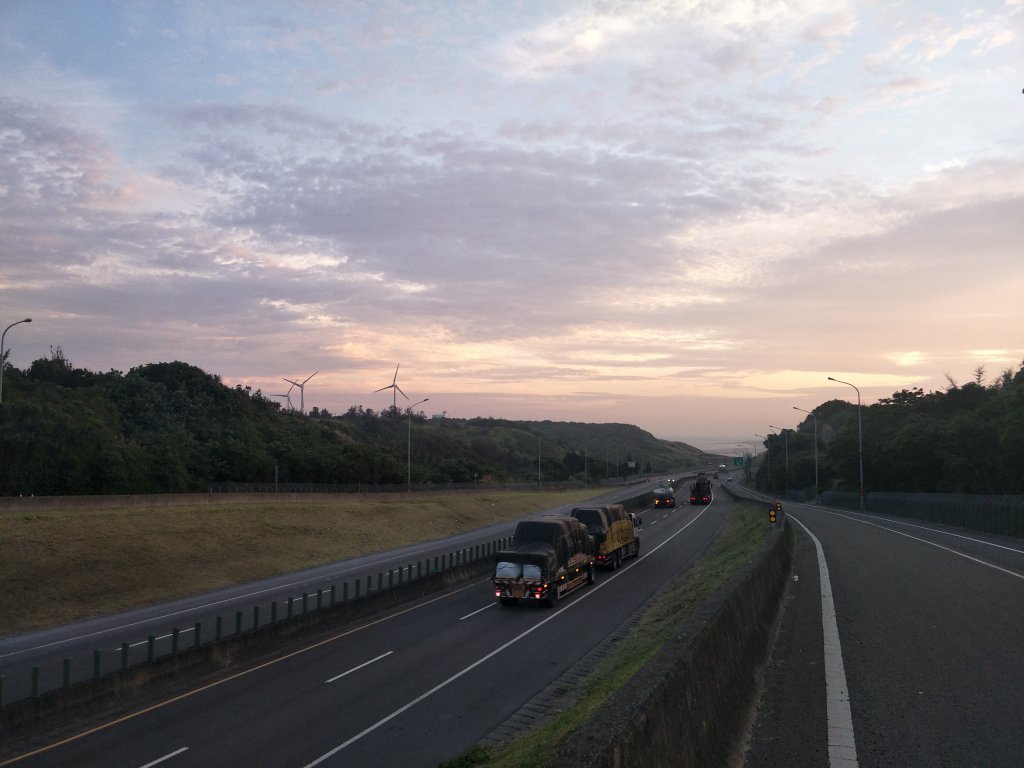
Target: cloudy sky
679,214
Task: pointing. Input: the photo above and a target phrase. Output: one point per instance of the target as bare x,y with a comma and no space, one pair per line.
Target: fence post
151,648
96,664
219,629
124,657
199,632
175,633
255,617
67,673
238,622
35,682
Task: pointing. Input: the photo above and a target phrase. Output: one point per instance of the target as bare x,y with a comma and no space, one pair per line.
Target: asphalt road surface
411,688
930,624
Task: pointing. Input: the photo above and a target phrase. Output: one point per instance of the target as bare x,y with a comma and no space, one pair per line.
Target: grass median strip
743,538
62,565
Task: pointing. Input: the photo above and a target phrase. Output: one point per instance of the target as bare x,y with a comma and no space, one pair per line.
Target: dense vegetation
170,427
967,439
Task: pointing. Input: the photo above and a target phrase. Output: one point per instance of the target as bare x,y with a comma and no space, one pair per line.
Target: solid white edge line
596,588
159,760
356,669
842,748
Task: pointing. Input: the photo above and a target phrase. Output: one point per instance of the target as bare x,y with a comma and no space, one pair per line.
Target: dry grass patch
59,566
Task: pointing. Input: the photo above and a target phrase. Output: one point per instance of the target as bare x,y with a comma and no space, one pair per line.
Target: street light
408,458
860,440
3,363
817,493
785,437
768,443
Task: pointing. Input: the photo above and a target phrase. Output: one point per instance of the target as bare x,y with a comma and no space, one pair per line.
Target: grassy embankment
59,566
743,538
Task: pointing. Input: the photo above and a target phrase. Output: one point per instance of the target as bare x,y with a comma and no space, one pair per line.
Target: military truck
700,491
664,496
549,557
613,531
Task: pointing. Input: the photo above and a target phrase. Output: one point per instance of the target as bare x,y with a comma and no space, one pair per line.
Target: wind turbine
302,391
395,390
288,396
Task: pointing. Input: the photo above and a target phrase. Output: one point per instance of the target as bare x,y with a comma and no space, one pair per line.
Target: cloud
578,206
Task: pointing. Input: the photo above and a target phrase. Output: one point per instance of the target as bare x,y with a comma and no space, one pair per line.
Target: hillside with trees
967,439
173,428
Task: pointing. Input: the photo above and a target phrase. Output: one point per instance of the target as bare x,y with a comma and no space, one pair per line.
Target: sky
680,214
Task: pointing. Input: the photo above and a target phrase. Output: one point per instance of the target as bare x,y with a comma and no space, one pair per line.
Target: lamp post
750,464
785,438
746,464
767,443
3,363
860,440
408,473
817,493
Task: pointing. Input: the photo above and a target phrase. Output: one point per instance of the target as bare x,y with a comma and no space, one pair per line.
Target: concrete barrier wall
690,703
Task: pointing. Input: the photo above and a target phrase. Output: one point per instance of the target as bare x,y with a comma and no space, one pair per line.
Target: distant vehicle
664,496
613,532
549,558
721,466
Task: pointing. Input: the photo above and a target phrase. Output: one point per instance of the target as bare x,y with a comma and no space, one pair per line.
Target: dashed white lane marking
159,760
842,748
355,669
478,610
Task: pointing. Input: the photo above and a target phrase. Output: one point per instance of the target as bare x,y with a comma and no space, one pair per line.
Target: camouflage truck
549,557
613,532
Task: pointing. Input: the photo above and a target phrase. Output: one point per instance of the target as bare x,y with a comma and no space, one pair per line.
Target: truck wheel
552,596
591,576
617,560
509,600
636,548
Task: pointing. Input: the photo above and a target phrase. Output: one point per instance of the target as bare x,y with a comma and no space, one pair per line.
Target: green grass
62,565
744,537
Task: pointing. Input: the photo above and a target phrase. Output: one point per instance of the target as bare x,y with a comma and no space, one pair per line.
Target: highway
78,642
930,624
414,687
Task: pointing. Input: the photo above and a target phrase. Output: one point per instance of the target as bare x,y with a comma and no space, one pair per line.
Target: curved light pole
860,440
817,492
3,364
785,438
408,457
